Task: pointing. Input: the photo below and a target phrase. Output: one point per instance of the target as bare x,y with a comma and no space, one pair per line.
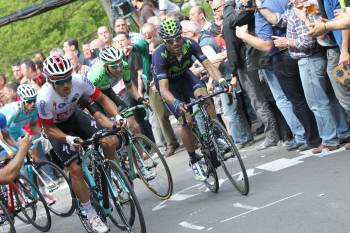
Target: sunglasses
217,8
173,40
62,82
116,65
30,101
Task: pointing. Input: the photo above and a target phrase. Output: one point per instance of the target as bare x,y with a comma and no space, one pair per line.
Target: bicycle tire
26,191
5,217
230,158
62,207
152,158
121,184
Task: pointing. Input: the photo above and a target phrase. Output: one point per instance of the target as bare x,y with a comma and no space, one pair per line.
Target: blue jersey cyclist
177,84
20,113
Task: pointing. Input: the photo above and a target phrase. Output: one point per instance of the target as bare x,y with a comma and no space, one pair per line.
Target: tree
22,39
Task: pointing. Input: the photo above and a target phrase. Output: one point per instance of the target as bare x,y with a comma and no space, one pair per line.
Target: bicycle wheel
32,204
152,167
229,158
6,221
127,214
52,181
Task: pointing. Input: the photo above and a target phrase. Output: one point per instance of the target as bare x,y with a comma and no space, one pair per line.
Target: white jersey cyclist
53,108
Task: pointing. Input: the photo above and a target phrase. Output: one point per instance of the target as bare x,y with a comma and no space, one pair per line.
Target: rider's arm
10,171
165,92
212,70
132,90
107,104
8,139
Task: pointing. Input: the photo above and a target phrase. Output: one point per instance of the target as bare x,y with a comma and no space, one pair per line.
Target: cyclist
177,84
112,67
20,113
65,123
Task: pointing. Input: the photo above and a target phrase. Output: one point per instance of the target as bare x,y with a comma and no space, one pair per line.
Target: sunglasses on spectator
173,40
217,8
30,101
116,65
62,82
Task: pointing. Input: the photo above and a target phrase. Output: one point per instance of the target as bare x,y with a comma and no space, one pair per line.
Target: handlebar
203,98
129,112
98,135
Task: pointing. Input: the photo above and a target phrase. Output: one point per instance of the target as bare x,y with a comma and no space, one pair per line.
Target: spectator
77,67
198,15
29,74
10,92
144,9
166,7
3,81
341,22
86,50
105,35
120,25
39,56
17,73
71,45
57,51
155,20
95,47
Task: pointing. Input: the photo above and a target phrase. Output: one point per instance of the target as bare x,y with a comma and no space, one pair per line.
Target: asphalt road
289,192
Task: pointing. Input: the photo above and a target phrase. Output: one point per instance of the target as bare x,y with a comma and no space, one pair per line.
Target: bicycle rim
127,214
6,221
148,158
30,198
229,157
54,182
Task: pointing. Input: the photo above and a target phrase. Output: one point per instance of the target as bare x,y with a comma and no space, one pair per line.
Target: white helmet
57,68
110,55
27,92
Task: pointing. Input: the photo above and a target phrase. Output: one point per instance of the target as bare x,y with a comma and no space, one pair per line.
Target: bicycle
141,153
59,188
23,199
102,175
217,146
6,221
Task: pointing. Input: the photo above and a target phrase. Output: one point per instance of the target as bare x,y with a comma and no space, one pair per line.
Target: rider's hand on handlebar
180,106
224,85
120,121
73,141
144,101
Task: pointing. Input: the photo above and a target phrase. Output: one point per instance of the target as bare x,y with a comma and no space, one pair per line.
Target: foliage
22,39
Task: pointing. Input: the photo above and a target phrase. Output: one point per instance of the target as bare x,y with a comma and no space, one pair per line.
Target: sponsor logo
42,104
75,98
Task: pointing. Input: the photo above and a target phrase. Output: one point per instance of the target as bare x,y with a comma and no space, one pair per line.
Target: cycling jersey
99,76
165,65
53,108
17,118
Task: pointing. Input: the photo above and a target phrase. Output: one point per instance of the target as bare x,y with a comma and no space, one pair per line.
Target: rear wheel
57,187
32,204
127,213
152,167
6,221
229,158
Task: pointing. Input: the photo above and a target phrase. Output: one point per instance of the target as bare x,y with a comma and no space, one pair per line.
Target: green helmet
169,29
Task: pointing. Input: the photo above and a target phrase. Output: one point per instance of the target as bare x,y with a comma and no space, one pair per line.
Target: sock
90,211
193,157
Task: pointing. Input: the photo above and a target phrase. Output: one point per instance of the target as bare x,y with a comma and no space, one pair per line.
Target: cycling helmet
170,29
57,68
3,121
26,92
110,55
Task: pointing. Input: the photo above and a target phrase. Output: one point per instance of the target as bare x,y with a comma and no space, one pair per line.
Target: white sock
90,211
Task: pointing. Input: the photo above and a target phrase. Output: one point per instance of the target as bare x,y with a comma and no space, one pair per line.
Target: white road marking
191,226
278,164
248,207
259,208
182,197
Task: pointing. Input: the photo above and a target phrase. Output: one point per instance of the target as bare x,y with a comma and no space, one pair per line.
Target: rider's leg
79,186
135,127
110,145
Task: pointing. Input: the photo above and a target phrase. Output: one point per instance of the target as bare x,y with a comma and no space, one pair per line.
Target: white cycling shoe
98,225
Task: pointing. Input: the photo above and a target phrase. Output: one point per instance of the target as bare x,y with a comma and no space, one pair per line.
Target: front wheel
152,167
57,186
229,158
32,204
6,221
127,213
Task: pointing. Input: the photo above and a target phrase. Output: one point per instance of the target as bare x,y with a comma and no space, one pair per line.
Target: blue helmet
3,121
